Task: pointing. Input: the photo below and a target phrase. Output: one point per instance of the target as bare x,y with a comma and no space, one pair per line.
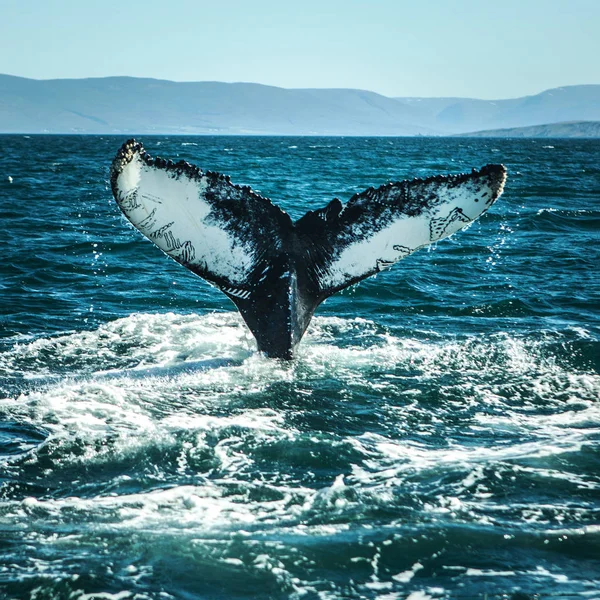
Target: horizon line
296,89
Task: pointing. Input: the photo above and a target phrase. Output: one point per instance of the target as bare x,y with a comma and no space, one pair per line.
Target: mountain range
130,105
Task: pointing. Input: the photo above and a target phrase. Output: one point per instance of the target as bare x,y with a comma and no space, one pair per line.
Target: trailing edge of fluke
277,271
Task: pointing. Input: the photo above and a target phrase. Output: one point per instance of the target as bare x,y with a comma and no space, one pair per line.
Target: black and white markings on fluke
275,271
443,226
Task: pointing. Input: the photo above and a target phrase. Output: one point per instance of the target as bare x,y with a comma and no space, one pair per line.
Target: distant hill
128,105
132,105
573,129
456,115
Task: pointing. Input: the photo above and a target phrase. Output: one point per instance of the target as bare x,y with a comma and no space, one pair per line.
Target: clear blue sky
476,48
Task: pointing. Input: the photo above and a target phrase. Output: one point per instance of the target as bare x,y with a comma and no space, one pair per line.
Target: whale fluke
276,271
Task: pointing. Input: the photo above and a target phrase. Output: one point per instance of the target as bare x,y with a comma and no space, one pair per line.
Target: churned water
437,436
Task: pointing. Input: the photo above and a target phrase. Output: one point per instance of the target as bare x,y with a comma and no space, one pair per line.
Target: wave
421,451
185,384
141,341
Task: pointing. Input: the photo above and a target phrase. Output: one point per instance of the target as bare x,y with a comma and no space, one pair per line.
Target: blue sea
437,436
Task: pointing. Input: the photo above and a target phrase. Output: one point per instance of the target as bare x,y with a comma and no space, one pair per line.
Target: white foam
139,341
215,416
419,595
406,576
488,573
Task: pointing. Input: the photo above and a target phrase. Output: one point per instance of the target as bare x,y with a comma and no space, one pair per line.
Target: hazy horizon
583,84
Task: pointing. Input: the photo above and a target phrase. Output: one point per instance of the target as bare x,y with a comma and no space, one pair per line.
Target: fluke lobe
276,271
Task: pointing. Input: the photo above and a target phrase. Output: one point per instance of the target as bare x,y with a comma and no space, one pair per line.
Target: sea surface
437,436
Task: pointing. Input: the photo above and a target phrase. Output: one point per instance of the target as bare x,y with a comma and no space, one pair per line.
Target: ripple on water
279,475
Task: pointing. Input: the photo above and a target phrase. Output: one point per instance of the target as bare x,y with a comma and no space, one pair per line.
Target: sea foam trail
141,432
170,433
215,352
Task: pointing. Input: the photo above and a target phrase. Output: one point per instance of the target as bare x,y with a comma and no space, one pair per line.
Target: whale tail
275,271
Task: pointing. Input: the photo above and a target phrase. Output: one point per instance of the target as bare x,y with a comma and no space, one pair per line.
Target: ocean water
437,436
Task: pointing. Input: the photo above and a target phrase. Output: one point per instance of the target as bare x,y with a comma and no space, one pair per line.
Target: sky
466,48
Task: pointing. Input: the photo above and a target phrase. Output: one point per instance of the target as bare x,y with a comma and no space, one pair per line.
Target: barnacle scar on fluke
275,271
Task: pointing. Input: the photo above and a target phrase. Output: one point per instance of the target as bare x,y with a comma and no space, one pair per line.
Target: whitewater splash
168,441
